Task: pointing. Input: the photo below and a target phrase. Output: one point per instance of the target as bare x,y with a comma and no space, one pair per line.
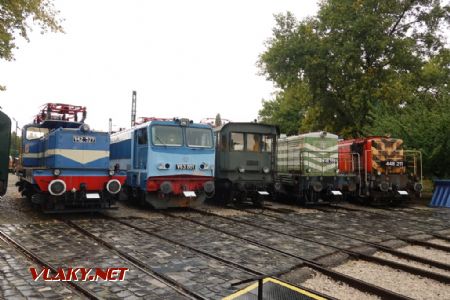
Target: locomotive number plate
329,160
92,196
390,163
185,167
84,139
189,194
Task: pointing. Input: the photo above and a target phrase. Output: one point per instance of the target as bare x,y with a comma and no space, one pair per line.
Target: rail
37,259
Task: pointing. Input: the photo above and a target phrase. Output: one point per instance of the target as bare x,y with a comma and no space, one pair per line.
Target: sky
189,59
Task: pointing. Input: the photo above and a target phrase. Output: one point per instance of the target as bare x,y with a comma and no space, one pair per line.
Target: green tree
422,127
16,141
353,56
422,123
287,110
17,18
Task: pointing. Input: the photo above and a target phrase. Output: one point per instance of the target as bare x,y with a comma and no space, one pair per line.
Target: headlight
241,170
308,170
166,187
163,166
384,186
266,170
204,166
317,186
57,187
209,187
113,186
418,187
379,173
84,128
111,172
56,172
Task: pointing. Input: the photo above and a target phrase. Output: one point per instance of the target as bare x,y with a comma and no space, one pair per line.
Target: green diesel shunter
307,169
5,139
245,162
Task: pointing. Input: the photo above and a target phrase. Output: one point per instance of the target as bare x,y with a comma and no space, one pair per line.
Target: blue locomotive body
168,163
65,166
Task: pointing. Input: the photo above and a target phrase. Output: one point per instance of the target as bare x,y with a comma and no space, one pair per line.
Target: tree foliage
16,141
17,18
422,123
421,126
355,55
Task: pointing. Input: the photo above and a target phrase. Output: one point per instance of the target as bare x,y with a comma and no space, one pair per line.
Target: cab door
140,149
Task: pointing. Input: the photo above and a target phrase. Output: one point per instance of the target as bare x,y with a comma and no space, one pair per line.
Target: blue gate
441,195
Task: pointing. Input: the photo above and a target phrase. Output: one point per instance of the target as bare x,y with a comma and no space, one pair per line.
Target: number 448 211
395,164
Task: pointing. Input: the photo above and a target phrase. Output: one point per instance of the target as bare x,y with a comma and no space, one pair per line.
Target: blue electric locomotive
64,166
169,163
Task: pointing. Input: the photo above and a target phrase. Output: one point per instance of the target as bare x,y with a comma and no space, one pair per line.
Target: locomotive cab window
34,133
142,136
253,142
199,137
237,141
167,135
267,141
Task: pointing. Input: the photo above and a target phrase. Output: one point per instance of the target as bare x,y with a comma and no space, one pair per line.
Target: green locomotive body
307,169
5,139
245,161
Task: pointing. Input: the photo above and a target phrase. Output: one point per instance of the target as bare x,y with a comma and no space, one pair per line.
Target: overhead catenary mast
133,109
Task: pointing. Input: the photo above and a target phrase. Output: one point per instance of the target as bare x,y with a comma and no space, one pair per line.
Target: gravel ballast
337,289
432,254
439,242
407,262
397,281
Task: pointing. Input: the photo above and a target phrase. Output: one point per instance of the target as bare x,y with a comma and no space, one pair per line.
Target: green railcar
5,139
245,162
307,168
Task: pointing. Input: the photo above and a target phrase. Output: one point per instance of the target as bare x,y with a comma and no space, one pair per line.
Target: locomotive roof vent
183,121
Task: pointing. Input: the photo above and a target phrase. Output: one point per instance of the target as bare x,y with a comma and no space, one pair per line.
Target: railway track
425,217
354,254
361,285
387,249
41,241
375,225
203,276
202,258
42,262
341,218
410,240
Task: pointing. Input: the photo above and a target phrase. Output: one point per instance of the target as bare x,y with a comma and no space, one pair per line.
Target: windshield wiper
157,138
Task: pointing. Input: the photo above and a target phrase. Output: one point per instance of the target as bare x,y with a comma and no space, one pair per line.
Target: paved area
62,246
368,226
16,282
199,273
288,244
223,246
203,254
311,234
